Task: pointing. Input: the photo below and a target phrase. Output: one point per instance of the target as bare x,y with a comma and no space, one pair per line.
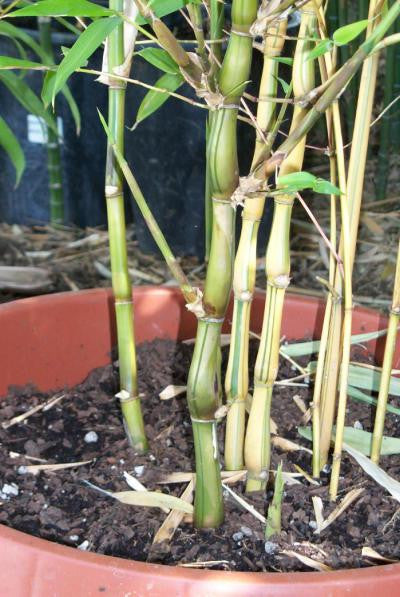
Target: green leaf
359,396
16,33
297,180
9,63
11,145
345,34
162,8
283,60
153,499
297,349
320,49
153,100
160,59
73,106
61,8
285,86
360,440
26,97
82,49
325,187
369,379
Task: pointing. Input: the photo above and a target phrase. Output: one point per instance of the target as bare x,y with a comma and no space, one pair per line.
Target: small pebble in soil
237,536
312,524
9,490
73,537
270,547
84,545
91,437
139,470
246,531
22,470
358,425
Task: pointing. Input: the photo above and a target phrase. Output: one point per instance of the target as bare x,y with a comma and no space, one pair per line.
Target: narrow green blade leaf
9,63
369,379
61,8
73,106
298,349
11,145
162,8
320,49
16,33
345,34
26,97
297,180
153,100
160,59
325,187
283,60
360,440
82,49
358,395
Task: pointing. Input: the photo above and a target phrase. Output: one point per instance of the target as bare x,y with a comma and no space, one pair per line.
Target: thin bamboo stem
53,142
358,157
257,440
203,388
237,375
387,365
129,397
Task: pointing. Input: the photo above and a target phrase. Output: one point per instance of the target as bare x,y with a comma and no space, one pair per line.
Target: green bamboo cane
395,120
332,91
345,54
387,365
129,398
358,157
203,389
53,142
216,26
237,375
257,440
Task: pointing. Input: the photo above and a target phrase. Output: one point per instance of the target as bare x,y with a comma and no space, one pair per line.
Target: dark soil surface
57,505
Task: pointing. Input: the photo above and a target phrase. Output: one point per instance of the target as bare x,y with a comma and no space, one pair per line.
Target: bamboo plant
219,79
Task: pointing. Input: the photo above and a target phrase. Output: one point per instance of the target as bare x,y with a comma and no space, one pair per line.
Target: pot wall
56,340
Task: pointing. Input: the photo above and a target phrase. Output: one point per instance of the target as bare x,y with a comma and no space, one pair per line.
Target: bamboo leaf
346,34
160,59
375,471
285,86
370,379
153,100
16,33
153,499
361,397
8,62
82,49
275,508
162,8
320,49
297,180
283,60
73,106
360,440
297,349
11,145
26,97
325,187
61,8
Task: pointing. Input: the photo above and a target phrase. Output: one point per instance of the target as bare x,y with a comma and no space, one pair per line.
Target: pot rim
67,559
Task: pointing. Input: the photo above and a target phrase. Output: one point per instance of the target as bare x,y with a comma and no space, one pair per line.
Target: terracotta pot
55,340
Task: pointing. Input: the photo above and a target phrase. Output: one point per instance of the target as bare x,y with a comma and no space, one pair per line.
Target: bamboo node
260,384
194,420
261,476
112,191
244,295
213,319
124,396
394,311
281,281
196,306
247,185
221,412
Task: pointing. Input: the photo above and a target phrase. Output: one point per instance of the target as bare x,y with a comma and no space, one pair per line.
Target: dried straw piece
44,406
34,469
287,445
344,504
368,552
174,518
316,564
172,391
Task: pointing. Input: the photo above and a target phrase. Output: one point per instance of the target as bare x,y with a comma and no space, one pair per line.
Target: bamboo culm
122,289
387,365
237,375
257,441
203,389
53,141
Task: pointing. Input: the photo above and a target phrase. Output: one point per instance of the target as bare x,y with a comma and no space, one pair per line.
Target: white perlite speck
84,545
139,470
91,437
9,490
